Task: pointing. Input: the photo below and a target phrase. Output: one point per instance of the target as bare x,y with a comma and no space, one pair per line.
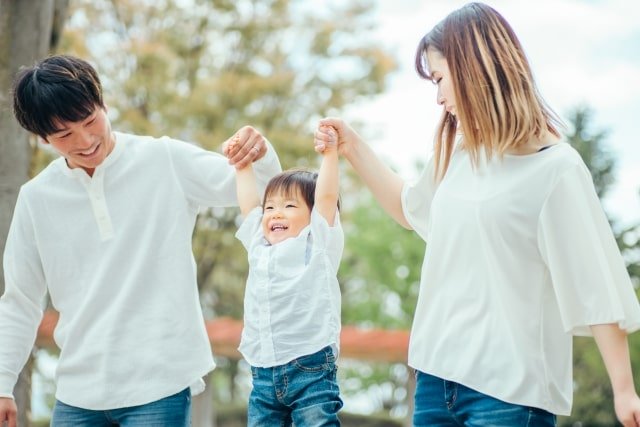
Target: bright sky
581,51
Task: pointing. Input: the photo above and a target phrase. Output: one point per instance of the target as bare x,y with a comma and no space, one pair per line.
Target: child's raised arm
327,186
246,186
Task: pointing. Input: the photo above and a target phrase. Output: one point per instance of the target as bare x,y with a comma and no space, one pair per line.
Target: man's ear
42,140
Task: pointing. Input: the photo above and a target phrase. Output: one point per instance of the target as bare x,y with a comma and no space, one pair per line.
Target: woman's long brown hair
498,105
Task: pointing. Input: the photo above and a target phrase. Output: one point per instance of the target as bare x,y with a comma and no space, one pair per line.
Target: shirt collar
80,173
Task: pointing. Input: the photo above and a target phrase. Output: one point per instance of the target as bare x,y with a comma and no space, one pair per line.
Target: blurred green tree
380,279
593,397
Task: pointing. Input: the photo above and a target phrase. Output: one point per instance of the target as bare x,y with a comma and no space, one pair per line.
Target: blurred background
200,69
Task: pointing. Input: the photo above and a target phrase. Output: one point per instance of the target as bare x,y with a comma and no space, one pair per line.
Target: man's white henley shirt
114,252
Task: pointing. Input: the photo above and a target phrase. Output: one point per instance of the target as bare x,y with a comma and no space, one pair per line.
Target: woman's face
439,70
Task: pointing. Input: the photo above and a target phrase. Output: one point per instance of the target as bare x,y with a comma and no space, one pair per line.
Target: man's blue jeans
303,392
172,411
445,403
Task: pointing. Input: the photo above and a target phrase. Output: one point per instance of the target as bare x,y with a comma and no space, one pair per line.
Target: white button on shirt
292,300
519,258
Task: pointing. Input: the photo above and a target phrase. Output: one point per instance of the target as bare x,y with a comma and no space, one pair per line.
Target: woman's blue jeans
172,411
303,392
445,403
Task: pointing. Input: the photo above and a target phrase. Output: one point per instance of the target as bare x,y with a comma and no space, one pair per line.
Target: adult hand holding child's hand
8,412
245,146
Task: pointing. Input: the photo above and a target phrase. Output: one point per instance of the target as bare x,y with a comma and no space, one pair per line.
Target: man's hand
245,146
8,412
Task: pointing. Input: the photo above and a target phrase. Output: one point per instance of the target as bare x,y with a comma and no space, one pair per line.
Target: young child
291,332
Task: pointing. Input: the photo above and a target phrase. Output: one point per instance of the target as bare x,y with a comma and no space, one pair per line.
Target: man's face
85,144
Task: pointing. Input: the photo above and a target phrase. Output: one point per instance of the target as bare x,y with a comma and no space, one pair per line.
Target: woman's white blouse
292,300
520,257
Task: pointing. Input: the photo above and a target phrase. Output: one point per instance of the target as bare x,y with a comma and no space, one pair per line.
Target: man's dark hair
60,88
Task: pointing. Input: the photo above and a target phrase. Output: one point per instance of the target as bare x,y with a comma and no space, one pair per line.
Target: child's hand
326,139
232,147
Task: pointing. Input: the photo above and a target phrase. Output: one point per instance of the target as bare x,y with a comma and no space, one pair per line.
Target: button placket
95,189
264,310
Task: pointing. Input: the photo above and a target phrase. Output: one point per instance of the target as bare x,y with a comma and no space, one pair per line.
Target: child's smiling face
285,215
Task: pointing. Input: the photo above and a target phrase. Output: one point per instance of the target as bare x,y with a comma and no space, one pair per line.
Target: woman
520,256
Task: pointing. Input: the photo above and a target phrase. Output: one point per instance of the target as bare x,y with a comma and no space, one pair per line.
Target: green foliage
384,385
380,279
590,145
380,270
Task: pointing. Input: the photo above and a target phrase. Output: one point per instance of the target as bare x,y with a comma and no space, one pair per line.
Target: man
106,230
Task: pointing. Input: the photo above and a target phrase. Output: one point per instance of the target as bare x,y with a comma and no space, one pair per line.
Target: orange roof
376,345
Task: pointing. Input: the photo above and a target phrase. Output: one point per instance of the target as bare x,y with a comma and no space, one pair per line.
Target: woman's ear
42,140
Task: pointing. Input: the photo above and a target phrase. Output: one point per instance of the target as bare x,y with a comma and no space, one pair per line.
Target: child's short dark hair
60,88
292,180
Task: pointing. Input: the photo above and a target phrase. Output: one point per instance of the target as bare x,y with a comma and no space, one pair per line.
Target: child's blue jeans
445,403
172,411
303,392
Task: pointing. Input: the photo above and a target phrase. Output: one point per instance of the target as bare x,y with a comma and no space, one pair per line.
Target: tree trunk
26,32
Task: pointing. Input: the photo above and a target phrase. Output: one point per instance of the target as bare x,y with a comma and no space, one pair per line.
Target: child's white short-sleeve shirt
292,299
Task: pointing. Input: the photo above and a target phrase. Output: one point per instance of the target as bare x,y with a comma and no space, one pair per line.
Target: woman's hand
614,349
347,137
384,183
627,407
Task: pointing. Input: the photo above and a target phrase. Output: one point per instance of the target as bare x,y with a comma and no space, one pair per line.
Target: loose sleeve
589,276
250,229
329,239
21,304
208,179
416,200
